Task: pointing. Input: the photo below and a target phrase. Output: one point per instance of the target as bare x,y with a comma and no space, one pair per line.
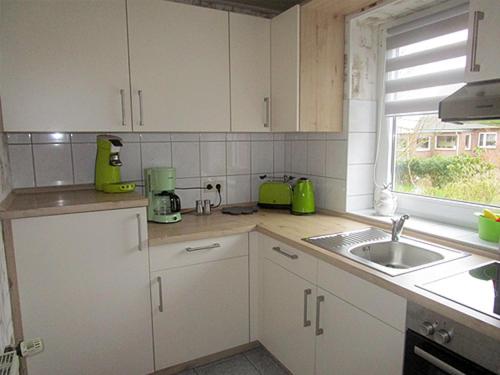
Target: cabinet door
287,302
483,26
250,48
285,70
84,288
199,310
354,342
179,66
65,66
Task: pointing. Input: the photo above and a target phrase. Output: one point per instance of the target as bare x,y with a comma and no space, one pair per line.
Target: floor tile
236,365
186,372
265,363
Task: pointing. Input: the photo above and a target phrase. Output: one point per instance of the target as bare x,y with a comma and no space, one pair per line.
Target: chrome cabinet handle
319,330
307,322
267,109
141,111
139,231
160,292
282,252
213,246
474,66
443,366
122,94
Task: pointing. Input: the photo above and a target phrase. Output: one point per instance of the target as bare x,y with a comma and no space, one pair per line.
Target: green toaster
275,193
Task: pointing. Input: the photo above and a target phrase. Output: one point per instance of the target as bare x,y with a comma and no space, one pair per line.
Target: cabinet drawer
378,302
290,258
193,252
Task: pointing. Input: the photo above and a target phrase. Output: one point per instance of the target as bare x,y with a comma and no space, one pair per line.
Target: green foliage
462,177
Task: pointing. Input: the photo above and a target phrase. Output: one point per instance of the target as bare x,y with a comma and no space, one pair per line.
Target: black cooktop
478,289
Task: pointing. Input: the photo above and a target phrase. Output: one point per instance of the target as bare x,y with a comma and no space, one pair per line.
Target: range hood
477,102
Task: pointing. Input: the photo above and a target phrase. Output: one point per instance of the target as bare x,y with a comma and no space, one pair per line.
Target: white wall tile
18,138
279,136
238,189
299,157
279,156
262,157
84,138
130,155
360,179
156,155
53,164
185,137
21,166
316,136
362,148
84,155
359,202
188,197
213,158
238,158
186,158
128,137
212,194
362,116
155,137
238,136
336,159
335,195
261,136
55,137
316,154
319,184
255,182
288,156
212,137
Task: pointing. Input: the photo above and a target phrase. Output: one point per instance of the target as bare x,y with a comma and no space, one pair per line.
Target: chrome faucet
397,227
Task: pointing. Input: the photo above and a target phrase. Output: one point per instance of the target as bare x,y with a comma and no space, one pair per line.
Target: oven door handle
443,366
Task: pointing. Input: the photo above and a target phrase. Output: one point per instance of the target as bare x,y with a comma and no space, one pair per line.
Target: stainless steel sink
374,248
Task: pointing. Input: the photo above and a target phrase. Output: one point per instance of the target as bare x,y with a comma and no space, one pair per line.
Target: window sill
461,235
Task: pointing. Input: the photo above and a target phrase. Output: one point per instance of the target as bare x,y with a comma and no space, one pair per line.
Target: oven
436,345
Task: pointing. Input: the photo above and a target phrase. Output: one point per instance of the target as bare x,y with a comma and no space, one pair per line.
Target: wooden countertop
54,201
291,229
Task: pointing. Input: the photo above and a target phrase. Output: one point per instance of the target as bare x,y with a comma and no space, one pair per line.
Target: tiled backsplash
233,159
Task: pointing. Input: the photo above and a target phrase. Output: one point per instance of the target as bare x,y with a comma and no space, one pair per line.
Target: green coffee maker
108,164
164,205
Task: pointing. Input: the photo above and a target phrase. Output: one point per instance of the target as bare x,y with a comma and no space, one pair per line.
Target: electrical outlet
210,185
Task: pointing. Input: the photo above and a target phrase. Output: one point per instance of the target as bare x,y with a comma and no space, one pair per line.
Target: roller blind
425,61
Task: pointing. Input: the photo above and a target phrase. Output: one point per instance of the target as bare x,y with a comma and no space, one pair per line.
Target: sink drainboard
344,241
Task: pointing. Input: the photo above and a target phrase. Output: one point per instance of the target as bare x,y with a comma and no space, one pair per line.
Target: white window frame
468,147
442,210
485,136
436,147
421,149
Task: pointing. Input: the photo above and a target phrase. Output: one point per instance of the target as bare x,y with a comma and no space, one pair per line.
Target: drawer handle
443,366
160,292
139,231
141,110
307,322
122,95
267,106
319,330
213,246
282,252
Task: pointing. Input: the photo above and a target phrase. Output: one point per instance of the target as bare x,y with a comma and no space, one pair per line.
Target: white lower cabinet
200,304
311,330
83,284
354,342
287,329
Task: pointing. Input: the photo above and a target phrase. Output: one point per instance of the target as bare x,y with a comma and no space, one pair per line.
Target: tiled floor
257,361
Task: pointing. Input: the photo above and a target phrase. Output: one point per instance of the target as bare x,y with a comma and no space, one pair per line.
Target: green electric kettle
303,198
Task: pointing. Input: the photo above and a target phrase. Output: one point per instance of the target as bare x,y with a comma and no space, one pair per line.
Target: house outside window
468,142
487,140
425,62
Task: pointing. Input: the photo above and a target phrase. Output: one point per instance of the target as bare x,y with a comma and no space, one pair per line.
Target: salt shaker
207,209
199,207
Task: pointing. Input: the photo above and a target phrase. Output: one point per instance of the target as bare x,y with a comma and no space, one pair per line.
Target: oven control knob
426,328
442,336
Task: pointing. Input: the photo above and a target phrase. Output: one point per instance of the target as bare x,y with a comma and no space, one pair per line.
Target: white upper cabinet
483,52
285,56
179,67
64,66
250,72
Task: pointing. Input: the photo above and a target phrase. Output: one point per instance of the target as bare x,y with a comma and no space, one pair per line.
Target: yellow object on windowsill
489,227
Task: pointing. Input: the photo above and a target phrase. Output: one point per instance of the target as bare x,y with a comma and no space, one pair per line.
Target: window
446,142
487,140
425,62
423,144
468,141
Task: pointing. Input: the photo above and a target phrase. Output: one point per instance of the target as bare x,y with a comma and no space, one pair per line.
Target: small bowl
488,229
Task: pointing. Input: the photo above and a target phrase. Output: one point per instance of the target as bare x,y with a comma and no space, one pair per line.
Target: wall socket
211,186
